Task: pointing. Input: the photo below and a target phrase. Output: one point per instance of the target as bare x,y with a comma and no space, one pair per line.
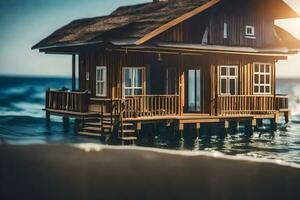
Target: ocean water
22,121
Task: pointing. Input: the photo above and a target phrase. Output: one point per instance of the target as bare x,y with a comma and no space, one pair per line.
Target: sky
25,22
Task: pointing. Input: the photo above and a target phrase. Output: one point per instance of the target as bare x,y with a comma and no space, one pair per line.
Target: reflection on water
22,122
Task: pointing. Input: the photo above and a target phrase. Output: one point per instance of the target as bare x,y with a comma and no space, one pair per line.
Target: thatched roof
138,20
130,23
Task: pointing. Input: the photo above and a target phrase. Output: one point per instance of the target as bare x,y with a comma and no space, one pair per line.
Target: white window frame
265,74
250,35
225,31
228,77
104,81
132,81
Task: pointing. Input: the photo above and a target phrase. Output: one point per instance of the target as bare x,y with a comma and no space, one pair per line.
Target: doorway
194,85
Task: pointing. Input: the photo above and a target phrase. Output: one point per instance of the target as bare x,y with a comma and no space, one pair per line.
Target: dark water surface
22,122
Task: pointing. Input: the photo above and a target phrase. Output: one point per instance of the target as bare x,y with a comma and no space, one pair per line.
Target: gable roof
139,23
137,20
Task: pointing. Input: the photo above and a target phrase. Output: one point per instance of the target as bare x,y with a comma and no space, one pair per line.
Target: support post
138,127
287,116
181,128
48,119
66,124
73,72
273,125
249,128
198,126
234,127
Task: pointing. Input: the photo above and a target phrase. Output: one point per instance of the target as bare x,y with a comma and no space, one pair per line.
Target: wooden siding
154,80
245,71
193,29
236,23
245,74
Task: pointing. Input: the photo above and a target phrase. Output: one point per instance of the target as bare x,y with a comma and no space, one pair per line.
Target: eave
179,49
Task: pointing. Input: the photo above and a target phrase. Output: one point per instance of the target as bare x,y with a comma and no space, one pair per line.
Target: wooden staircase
91,127
107,124
98,126
127,131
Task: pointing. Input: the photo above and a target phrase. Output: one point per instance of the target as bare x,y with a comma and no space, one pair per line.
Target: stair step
128,124
127,131
93,124
89,134
128,138
108,115
90,128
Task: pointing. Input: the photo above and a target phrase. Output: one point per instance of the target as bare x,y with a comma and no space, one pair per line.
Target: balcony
77,102
251,104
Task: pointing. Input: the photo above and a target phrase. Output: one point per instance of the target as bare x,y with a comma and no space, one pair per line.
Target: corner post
73,72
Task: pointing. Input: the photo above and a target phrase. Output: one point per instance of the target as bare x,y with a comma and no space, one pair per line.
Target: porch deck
151,109
164,107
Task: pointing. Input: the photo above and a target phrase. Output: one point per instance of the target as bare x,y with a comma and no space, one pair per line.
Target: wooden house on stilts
175,62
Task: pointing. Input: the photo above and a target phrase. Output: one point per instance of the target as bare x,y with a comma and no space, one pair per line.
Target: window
228,80
101,82
225,35
262,78
250,32
133,81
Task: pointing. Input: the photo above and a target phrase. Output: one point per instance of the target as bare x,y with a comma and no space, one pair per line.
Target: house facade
177,62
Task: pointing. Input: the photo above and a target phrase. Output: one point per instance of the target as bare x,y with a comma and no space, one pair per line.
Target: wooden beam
73,72
176,21
226,124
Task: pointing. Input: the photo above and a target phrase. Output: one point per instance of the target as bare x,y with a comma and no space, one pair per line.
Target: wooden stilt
287,116
181,128
249,128
273,125
138,128
76,125
226,127
48,119
198,126
66,124
233,127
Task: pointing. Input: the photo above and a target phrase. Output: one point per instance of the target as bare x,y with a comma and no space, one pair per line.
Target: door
194,90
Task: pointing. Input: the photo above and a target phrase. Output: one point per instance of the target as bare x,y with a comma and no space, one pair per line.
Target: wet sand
66,172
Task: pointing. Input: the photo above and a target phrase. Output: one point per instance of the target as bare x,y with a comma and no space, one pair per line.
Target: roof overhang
198,49
69,48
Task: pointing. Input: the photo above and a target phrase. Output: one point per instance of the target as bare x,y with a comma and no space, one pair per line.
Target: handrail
67,100
69,91
250,104
150,105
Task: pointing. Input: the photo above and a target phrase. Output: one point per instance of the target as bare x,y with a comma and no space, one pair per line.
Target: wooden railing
150,105
282,102
67,101
250,104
